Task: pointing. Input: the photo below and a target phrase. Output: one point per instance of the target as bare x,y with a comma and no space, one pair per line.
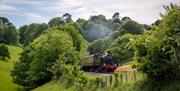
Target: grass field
6,66
53,86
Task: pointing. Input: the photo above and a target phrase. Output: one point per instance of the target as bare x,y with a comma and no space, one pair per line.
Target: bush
4,52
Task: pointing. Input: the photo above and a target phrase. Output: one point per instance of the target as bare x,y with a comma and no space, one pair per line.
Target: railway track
119,69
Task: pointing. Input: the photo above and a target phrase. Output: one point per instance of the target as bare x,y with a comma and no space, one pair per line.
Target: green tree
4,52
116,18
126,18
115,22
96,46
98,18
67,18
29,32
56,21
8,32
157,53
119,49
132,27
37,62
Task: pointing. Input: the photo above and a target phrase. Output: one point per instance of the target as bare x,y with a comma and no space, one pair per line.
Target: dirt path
97,74
119,69
124,68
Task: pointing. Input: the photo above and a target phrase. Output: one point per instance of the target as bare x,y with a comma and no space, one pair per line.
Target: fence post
121,78
102,82
107,81
116,80
134,75
126,77
110,81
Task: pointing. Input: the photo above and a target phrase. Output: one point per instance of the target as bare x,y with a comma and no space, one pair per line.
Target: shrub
4,52
158,53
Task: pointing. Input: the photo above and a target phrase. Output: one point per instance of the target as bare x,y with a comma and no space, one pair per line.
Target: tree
147,27
8,32
132,27
67,15
116,18
29,32
121,53
97,18
67,18
157,54
5,21
39,61
96,46
57,21
4,52
126,18
156,23
81,20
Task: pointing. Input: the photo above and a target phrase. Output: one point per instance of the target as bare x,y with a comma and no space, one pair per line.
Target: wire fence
121,77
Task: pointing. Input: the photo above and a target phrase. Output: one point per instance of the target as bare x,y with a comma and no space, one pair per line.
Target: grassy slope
6,66
52,86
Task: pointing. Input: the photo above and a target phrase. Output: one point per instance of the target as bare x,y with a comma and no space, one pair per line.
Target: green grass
53,86
6,66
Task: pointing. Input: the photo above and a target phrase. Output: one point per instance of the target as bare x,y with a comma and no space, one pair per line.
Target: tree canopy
29,32
157,53
4,52
36,64
8,32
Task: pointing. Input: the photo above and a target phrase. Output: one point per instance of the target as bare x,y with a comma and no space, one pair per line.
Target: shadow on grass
158,86
4,59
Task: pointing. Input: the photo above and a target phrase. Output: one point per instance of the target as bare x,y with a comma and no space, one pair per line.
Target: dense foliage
120,51
29,32
117,40
4,52
158,53
65,19
56,21
58,44
132,27
8,32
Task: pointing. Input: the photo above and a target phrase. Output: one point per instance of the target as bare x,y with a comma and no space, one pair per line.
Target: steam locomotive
99,63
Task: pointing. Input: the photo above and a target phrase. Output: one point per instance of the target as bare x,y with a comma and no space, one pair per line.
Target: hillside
6,66
52,86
